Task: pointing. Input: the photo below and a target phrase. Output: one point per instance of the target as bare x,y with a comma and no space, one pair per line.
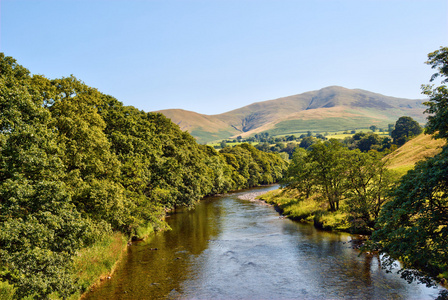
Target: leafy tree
307,141
366,142
320,136
265,147
369,142
437,106
252,167
218,171
413,226
405,129
290,138
368,182
373,128
299,174
290,147
333,173
40,227
330,162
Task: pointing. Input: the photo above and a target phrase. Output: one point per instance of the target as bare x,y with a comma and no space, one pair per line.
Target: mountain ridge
333,107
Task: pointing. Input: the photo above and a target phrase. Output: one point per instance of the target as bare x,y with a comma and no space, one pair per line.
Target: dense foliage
368,141
251,167
413,226
341,179
405,129
76,165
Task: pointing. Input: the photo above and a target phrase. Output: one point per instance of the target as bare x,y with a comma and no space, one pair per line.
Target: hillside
329,109
417,149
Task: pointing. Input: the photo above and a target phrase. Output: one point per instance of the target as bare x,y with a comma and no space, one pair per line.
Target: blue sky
212,56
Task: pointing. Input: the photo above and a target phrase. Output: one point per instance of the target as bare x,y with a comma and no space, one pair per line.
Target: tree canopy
405,129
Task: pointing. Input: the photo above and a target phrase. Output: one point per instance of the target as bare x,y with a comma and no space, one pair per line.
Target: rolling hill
419,148
329,109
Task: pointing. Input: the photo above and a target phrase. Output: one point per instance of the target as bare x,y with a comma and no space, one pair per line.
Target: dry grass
417,149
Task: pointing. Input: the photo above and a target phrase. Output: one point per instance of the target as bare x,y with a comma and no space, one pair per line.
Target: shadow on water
229,248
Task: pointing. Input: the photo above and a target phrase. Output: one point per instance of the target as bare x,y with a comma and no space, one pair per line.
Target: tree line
76,165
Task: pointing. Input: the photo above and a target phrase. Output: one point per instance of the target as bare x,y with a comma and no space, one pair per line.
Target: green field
322,126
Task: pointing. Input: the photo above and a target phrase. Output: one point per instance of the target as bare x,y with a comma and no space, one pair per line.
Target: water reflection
236,249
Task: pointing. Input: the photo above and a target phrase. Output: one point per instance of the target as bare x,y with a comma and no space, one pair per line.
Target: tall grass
98,261
311,210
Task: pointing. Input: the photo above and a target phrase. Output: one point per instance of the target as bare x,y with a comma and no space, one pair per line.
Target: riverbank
308,210
97,263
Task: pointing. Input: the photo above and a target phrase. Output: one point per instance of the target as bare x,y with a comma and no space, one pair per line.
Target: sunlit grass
404,158
98,261
297,207
334,220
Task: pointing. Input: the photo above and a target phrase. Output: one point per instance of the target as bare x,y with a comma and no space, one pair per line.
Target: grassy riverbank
307,210
97,263
294,205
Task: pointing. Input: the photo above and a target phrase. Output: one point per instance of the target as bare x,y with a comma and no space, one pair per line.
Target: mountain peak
328,109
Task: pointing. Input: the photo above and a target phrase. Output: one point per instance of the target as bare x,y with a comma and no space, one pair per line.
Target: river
231,248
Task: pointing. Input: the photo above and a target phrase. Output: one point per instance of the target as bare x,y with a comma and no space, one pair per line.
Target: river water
232,248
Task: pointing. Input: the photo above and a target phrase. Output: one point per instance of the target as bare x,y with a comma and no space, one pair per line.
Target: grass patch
332,220
6,291
325,125
312,210
98,261
203,136
404,158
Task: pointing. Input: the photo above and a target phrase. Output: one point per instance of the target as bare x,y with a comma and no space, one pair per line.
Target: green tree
330,163
333,173
438,103
223,144
40,227
307,141
405,129
369,182
299,174
290,147
413,226
252,167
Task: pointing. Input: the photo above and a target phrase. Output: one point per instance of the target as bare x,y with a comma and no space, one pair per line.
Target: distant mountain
329,109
